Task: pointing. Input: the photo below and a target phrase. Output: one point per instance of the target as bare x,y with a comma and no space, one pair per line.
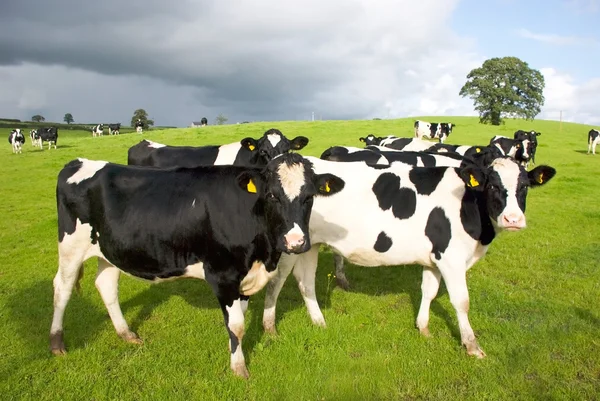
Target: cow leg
340,274
273,288
456,284
429,290
305,271
107,283
233,312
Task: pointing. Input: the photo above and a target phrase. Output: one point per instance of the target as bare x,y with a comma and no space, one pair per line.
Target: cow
33,134
404,144
139,126
377,155
521,135
114,129
517,149
247,152
98,130
203,122
441,131
593,139
48,134
371,140
227,225
442,218
17,140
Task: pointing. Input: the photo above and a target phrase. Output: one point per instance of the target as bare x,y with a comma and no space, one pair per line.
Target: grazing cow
98,130
114,129
227,225
17,140
34,137
139,126
518,150
48,134
441,131
593,139
247,152
371,140
442,218
521,135
203,122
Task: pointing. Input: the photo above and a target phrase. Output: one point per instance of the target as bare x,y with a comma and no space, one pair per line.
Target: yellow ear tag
251,147
325,188
251,187
477,150
473,182
541,178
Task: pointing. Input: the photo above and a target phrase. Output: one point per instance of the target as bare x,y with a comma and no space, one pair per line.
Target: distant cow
521,135
47,134
593,139
139,126
227,225
114,129
371,140
441,131
98,130
516,149
34,137
203,122
404,144
247,152
17,140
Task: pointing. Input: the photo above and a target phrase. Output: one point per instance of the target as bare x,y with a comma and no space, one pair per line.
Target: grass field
535,298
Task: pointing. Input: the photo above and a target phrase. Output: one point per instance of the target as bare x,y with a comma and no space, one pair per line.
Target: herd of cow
44,134
244,215
115,129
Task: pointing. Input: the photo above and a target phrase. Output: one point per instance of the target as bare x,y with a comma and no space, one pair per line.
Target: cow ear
473,177
540,175
362,139
249,143
538,133
250,181
298,142
328,184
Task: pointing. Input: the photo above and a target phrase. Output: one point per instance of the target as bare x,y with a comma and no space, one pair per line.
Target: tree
505,87
68,118
221,119
142,115
37,118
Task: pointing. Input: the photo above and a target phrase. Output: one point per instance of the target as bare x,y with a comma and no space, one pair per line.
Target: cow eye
271,197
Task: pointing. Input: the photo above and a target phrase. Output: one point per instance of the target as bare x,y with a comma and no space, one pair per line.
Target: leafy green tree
68,118
221,119
143,116
505,87
37,118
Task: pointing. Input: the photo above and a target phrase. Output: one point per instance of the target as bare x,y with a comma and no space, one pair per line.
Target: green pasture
535,297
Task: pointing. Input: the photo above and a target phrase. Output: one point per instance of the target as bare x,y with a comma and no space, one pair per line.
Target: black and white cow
531,136
47,134
371,140
227,225
139,126
378,155
203,122
441,131
34,137
17,140
442,218
593,139
516,149
98,130
404,144
114,129
247,152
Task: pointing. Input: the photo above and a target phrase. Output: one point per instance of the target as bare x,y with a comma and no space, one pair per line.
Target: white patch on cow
256,279
155,145
227,154
139,130
291,179
87,170
294,237
512,217
194,203
274,139
195,271
383,161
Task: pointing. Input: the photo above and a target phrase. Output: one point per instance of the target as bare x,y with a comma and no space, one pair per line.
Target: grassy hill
534,298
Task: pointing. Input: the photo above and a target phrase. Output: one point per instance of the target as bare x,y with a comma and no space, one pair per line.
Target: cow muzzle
513,222
295,240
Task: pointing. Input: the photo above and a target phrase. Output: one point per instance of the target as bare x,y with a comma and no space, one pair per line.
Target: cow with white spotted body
371,140
518,150
227,225
531,136
139,126
17,140
593,139
440,131
98,130
441,218
405,144
247,152
33,134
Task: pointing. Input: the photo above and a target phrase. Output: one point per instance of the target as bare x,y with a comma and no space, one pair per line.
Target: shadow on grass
582,152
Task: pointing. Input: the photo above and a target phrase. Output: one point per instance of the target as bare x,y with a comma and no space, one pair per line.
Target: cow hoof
343,283
131,337
270,328
474,350
320,322
425,332
240,371
59,351
57,345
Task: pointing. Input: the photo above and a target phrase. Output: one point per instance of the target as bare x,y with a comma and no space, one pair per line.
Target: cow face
371,140
286,188
273,143
504,187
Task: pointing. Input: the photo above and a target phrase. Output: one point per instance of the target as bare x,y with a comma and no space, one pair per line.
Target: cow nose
514,220
294,242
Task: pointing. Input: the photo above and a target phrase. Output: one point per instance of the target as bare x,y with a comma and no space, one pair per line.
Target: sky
273,60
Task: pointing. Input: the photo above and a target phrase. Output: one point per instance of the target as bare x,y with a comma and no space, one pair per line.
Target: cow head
504,186
371,140
286,188
273,143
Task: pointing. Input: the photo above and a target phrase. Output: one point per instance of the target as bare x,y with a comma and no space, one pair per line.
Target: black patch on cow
426,180
402,201
438,231
427,159
474,217
383,243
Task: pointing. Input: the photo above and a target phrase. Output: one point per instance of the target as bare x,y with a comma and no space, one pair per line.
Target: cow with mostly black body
17,140
247,152
114,129
47,134
442,218
203,122
227,225
531,136
98,130
518,150
371,140
593,139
